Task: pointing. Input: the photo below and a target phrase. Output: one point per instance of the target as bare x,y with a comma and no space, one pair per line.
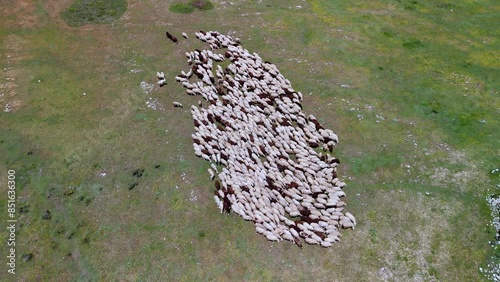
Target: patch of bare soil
459,169
421,243
9,99
442,176
23,14
55,7
26,14
19,13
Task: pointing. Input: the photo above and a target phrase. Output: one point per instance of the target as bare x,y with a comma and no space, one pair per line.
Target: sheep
326,244
316,238
346,223
218,202
311,241
287,235
171,37
162,82
351,217
177,105
260,230
214,167
271,237
212,174
250,113
161,79
185,35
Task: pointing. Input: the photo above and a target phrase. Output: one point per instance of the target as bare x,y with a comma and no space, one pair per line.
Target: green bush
186,8
413,44
83,12
181,8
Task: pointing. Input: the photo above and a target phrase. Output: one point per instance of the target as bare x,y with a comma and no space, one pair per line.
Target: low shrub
181,8
83,12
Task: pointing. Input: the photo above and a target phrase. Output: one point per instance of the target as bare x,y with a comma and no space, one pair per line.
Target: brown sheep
297,241
172,38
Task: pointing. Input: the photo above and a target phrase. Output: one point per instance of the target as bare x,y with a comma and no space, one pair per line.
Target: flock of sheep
270,162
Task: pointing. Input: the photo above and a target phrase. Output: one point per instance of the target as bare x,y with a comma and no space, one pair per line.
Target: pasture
410,87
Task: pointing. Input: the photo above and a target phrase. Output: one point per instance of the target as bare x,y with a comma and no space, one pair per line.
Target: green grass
428,71
82,12
181,8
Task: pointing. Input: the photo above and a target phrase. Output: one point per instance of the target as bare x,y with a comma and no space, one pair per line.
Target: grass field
410,87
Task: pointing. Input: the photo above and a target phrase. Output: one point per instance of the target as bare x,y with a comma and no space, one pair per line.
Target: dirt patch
450,168
410,253
19,14
55,7
9,101
442,176
84,273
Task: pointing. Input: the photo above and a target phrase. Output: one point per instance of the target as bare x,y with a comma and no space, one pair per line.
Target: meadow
410,87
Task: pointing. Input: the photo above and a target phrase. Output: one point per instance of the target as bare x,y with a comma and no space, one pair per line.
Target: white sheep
212,174
162,82
243,143
351,217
